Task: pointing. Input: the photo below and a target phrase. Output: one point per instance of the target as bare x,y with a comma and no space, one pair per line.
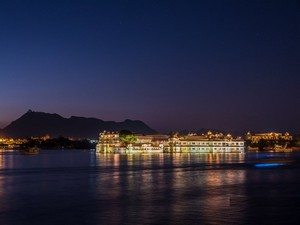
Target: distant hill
40,123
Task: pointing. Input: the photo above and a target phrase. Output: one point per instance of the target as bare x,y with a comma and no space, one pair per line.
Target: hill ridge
34,123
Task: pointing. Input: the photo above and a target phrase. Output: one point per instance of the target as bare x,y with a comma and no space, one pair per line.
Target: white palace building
109,142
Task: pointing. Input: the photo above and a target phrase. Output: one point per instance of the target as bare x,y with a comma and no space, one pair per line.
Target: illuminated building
272,136
209,143
109,142
10,143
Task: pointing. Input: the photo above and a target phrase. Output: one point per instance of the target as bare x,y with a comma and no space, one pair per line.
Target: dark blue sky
232,65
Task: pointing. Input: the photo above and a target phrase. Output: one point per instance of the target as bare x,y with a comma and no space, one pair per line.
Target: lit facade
109,142
272,136
208,143
10,143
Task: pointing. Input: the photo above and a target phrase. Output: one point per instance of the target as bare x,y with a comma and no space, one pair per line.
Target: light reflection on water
83,187
169,185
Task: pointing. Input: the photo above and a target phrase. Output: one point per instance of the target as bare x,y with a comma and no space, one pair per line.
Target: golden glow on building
10,143
272,136
109,142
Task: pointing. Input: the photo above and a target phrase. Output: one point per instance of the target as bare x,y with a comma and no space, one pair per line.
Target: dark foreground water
82,187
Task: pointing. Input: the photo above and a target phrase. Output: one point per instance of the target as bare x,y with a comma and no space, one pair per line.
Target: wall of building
110,143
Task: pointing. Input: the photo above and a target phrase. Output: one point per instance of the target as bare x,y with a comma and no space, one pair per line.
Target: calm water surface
82,187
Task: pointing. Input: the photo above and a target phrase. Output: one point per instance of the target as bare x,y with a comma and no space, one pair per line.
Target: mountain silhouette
33,124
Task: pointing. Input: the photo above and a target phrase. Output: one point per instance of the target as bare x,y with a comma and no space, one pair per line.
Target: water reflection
7,159
175,159
166,185
80,187
2,163
2,160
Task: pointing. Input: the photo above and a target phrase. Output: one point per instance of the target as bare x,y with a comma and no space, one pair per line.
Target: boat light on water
268,165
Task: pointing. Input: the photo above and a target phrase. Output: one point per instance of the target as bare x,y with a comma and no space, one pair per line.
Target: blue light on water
263,165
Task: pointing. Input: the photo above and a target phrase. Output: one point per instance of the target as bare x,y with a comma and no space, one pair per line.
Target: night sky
229,65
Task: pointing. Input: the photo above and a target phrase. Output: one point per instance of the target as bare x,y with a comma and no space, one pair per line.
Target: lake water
82,187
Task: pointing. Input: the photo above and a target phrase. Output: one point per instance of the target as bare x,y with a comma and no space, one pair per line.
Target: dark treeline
59,143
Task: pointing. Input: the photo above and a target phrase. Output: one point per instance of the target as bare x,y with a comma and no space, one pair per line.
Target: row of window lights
217,149
214,143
